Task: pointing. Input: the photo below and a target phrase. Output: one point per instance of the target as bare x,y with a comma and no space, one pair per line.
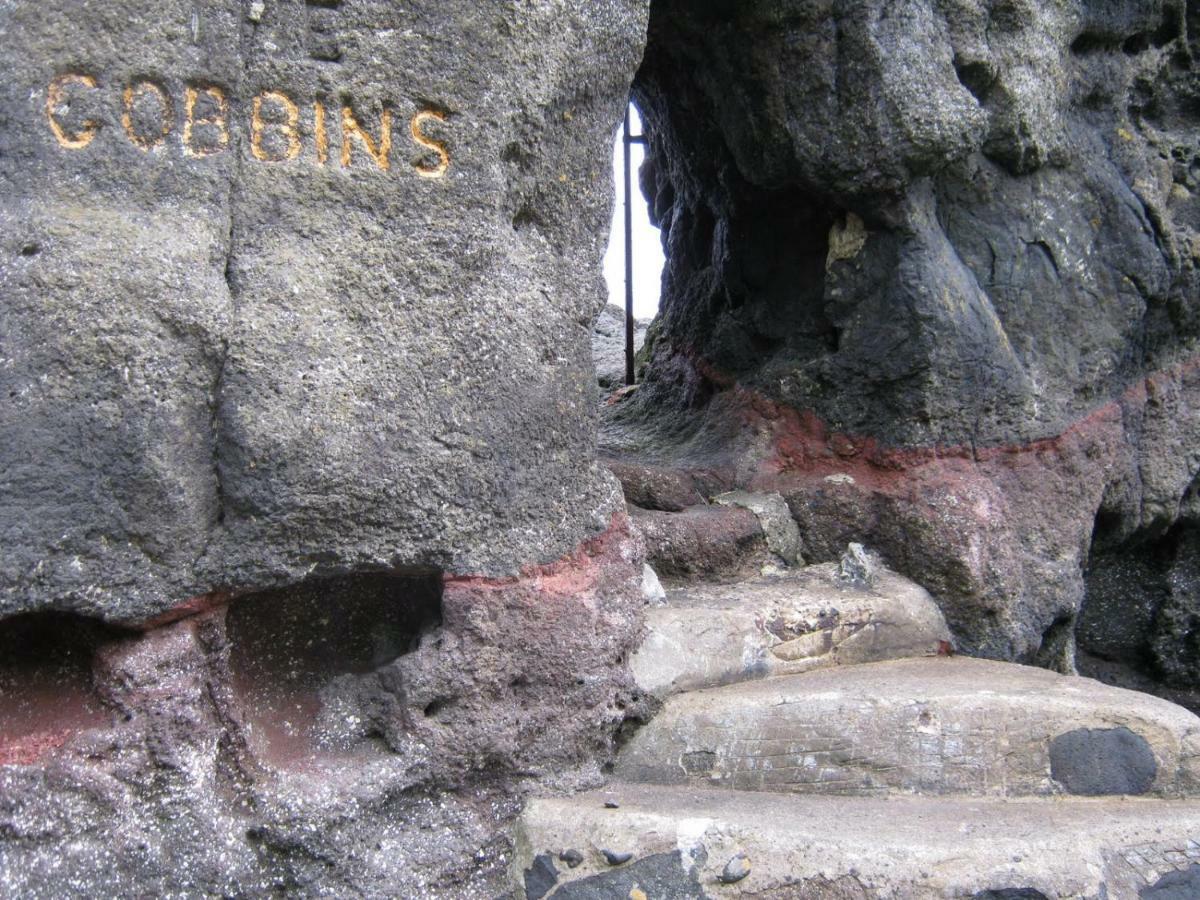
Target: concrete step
670,844
804,619
947,725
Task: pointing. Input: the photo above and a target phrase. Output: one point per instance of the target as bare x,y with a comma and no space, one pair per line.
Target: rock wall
288,286
932,275
309,571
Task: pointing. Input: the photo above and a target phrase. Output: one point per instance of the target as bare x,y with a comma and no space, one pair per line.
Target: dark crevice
1093,42
1139,625
47,692
298,655
977,77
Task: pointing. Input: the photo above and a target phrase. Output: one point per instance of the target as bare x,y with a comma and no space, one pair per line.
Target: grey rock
608,345
541,877
653,487
652,589
229,368
936,726
779,528
1181,885
702,541
735,870
662,875
615,857
991,325
256,385
856,566
831,848
713,634
1095,762
952,132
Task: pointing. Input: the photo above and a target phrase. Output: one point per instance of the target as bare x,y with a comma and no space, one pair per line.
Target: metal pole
629,375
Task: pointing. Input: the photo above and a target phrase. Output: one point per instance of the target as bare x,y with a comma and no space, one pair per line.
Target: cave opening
47,691
298,655
633,262
743,299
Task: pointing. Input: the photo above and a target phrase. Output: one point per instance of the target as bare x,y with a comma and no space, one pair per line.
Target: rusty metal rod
629,373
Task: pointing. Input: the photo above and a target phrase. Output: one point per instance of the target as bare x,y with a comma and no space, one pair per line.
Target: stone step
702,542
947,725
671,844
804,619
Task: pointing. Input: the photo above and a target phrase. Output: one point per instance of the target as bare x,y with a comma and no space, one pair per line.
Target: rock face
608,345
293,289
306,549
932,276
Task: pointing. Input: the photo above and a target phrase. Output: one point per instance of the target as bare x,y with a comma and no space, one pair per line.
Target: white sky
647,245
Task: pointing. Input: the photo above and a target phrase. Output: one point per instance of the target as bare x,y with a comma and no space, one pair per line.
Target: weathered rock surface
832,848
309,567
779,528
251,335
714,634
608,344
365,736
1140,623
935,726
702,541
945,254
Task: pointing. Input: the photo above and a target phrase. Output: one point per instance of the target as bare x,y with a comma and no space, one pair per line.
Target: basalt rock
294,289
931,276
309,567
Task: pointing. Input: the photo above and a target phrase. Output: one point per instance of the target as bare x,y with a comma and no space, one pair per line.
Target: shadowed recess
290,647
46,688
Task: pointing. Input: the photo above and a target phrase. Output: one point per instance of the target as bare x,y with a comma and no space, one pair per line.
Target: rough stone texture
1141,619
935,726
779,528
274,745
702,541
296,300
224,371
663,876
655,488
608,345
947,250
1097,762
713,634
834,848
1178,885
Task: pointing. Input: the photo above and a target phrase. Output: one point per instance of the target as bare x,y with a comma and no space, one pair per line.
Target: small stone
257,8
736,869
652,589
611,804
616,859
856,566
571,857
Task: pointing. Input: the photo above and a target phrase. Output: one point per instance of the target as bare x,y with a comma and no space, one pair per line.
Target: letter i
322,135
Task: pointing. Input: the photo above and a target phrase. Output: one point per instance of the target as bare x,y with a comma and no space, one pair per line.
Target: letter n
380,153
